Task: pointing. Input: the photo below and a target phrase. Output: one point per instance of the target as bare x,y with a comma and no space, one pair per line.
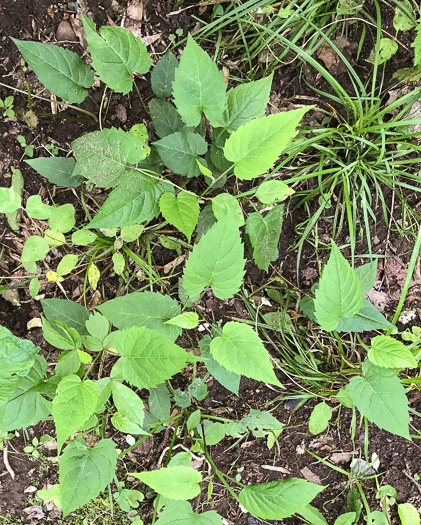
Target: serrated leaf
254,147
319,419
408,514
182,211
85,472
102,156
245,102
34,249
73,314
226,204
264,233
74,403
240,350
380,397
366,319
165,117
93,275
273,191
149,309
179,151
116,54
367,275
178,483
60,70
149,358
135,200
181,513
57,170
404,18
128,403
390,353
67,264
162,75
229,380
278,499
188,320
198,86
217,260
206,220
339,293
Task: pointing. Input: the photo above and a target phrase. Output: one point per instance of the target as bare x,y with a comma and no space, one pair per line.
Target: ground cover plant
118,360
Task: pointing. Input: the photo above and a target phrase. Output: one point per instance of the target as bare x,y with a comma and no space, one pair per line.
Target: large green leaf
408,514
73,314
181,211
367,318
162,75
74,403
165,117
245,102
179,152
179,483
264,233
320,417
128,403
367,274
256,145
339,293
149,309
278,499
390,353
198,86
135,200
149,358
229,380
60,70
58,170
102,156
84,472
380,397
116,54
240,350
226,204
181,513
217,260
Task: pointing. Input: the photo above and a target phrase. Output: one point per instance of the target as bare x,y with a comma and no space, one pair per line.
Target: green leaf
312,515
179,151
135,200
278,499
102,156
36,209
346,519
206,220
116,54
62,218
131,233
93,275
163,74
118,263
260,420
404,18
198,389
366,319
416,44
128,403
97,326
194,420
408,514
229,380
390,353
58,170
240,350
367,275
188,320
226,204
319,419
214,433
149,358
159,402
10,200
181,513
34,287
73,314
254,147
165,117
182,399
380,397
339,293
85,472
273,191
125,424
83,237
343,397
246,102
182,211
179,483
387,48
149,309
264,233
198,86
67,264
74,403
60,70
34,249
217,260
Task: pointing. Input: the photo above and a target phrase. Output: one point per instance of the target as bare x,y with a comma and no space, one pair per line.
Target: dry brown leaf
169,266
95,301
310,476
341,457
11,295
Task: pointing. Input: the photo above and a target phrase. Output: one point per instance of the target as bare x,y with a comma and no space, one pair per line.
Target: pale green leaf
116,54
163,74
217,260
179,483
34,287
254,147
380,397
83,237
62,219
128,403
404,18
226,204
416,44
58,170
388,352
339,293
194,420
319,419
97,326
206,220
74,403
346,519
367,275
182,211
240,350
214,433
366,319
131,233
181,513
85,472
159,402
179,151
102,156
10,200
312,515
125,424
149,358
229,380
36,209
198,86
264,233
278,499
93,275
60,70
408,514
149,309
34,249
188,320
387,48
118,263
273,191
165,117
67,264
73,314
